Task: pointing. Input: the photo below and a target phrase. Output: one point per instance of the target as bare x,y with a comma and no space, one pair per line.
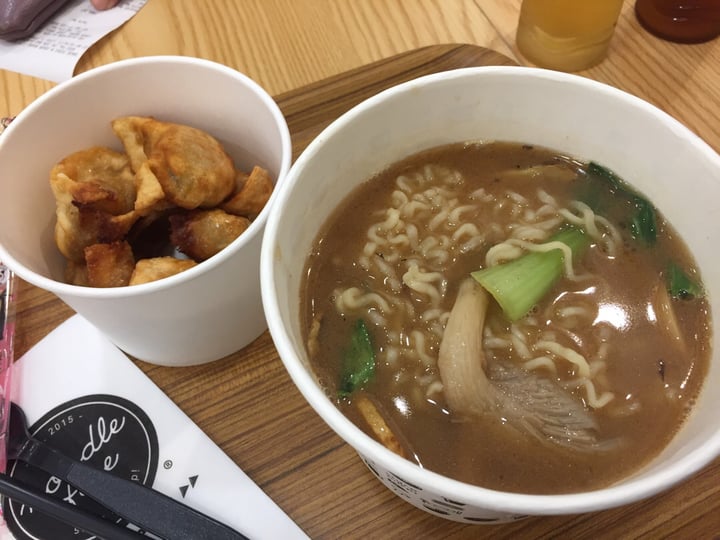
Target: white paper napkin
86,390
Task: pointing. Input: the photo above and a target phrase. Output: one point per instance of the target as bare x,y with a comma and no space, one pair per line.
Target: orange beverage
567,35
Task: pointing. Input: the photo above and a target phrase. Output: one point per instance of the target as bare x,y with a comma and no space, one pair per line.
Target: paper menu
54,50
79,391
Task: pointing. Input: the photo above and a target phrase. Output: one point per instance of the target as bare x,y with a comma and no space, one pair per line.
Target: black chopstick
72,515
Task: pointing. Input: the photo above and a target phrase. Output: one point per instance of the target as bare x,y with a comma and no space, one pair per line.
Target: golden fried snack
252,194
103,178
190,165
76,273
200,234
109,265
150,195
166,192
147,270
95,195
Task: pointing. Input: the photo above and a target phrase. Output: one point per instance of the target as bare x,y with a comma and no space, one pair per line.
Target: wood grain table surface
318,57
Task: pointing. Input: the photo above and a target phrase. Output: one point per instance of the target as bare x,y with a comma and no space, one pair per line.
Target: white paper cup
583,118
201,314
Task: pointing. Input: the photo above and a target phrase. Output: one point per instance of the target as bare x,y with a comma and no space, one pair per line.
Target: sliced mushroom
529,402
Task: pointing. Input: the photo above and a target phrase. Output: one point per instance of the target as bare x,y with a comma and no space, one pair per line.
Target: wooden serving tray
249,406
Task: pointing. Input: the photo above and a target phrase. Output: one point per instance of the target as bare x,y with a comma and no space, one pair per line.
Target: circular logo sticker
104,431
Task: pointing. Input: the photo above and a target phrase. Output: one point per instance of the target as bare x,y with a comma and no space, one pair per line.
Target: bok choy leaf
521,283
358,363
680,284
643,221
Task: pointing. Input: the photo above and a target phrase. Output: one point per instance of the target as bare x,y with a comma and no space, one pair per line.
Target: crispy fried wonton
200,234
147,270
190,165
109,265
252,194
150,195
95,195
174,188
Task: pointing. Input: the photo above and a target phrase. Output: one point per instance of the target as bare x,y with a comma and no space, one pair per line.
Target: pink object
7,331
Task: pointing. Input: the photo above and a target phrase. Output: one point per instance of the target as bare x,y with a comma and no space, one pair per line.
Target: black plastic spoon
144,507
67,513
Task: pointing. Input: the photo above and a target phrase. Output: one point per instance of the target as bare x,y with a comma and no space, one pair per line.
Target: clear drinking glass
566,35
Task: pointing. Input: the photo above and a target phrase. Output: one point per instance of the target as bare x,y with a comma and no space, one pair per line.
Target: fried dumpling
95,197
147,270
150,195
114,208
109,265
251,195
200,234
190,165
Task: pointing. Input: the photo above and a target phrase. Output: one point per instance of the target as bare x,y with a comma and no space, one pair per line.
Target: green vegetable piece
358,366
643,224
616,183
643,221
680,284
520,284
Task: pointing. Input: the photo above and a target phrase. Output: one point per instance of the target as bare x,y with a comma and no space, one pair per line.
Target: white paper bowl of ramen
577,117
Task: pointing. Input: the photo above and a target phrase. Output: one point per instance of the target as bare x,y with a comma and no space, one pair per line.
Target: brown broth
653,379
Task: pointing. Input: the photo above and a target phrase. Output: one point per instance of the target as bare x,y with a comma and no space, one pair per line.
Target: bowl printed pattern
434,503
